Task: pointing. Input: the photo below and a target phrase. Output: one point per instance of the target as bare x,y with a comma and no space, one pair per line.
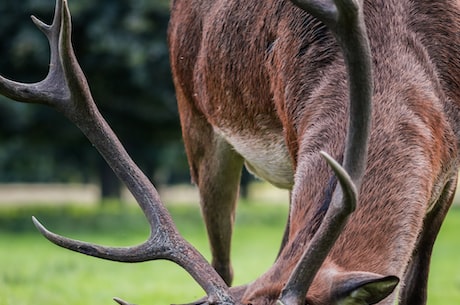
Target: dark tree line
122,48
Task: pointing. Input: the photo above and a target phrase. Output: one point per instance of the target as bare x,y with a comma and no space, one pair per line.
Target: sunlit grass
444,281
35,272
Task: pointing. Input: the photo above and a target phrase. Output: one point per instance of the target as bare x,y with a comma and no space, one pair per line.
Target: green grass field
33,271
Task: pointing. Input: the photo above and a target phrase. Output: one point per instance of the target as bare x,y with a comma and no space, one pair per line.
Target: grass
33,271
444,281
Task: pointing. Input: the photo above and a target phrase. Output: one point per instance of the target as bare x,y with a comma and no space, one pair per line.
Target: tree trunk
109,183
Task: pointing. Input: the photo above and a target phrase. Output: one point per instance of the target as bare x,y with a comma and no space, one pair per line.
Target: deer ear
363,288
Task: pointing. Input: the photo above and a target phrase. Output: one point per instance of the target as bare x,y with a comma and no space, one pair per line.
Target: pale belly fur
266,156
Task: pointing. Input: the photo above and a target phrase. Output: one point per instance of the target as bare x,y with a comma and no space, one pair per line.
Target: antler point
40,24
38,224
121,302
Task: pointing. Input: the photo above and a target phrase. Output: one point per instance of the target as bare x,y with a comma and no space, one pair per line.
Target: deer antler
65,88
345,19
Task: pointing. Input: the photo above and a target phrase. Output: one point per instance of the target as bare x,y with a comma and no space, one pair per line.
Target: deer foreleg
216,169
218,181
414,290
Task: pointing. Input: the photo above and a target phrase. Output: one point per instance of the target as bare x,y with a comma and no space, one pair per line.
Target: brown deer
288,88
264,83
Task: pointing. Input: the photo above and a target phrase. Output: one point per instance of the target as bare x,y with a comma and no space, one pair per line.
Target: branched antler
65,88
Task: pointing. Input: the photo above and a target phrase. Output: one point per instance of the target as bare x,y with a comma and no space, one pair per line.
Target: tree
122,48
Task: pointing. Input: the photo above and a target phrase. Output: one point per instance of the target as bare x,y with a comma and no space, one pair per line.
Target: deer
351,105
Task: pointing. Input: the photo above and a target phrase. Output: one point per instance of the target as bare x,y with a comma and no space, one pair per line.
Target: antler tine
121,302
345,19
65,88
48,29
48,91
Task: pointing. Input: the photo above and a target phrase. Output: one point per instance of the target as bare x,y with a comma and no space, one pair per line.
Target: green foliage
122,48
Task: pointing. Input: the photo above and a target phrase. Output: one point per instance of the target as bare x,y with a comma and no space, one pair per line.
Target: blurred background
121,46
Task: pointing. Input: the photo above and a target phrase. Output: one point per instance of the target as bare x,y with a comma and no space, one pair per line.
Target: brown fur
249,73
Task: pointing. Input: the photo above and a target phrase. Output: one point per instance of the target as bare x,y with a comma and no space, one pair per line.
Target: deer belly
266,157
